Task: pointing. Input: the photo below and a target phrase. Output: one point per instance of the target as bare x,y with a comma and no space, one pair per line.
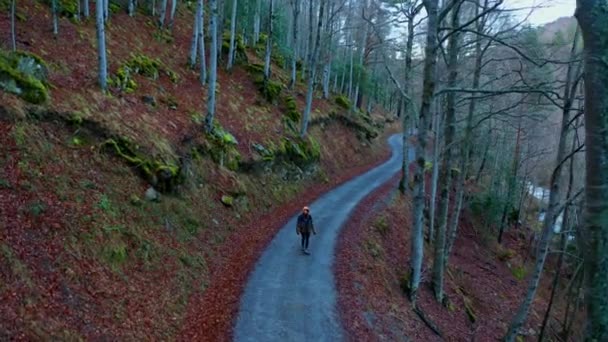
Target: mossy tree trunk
591,15
570,88
101,46
446,171
428,89
232,35
212,67
312,70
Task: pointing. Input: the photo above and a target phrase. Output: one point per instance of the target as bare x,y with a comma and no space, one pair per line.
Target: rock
152,195
149,99
227,200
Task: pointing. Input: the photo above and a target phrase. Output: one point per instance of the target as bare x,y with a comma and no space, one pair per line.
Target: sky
550,11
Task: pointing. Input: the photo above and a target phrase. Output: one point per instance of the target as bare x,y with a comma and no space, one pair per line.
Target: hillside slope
117,214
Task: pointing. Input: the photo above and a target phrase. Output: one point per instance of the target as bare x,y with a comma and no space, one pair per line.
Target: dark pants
305,238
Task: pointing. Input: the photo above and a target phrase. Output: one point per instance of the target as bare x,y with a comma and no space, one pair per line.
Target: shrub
343,102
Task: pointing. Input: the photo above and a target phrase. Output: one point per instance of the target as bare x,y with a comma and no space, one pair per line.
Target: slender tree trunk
232,35
131,8
591,16
212,66
101,47
268,44
196,34
86,9
163,13
54,9
294,58
201,46
106,10
554,195
446,171
172,15
312,70
256,22
511,184
428,88
563,244
404,184
13,35
437,124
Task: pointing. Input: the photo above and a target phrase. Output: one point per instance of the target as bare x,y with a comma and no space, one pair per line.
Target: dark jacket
305,224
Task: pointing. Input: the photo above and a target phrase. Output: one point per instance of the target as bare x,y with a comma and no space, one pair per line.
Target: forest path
291,296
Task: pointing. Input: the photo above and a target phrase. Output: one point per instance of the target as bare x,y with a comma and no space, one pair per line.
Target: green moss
221,146
270,90
343,101
66,8
300,151
141,65
292,112
24,74
164,175
240,51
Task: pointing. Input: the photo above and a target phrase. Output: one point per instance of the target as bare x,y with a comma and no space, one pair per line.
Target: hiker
305,227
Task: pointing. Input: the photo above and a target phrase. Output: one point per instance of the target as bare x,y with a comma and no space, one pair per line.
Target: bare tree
13,35
591,16
294,58
428,88
198,26
101,46
268,43
172,15
312,70
232,35
212,67
54,9
86,9
554,195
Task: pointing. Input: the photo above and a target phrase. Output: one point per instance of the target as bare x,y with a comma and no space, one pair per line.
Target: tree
428,88
101,46
86,9
256,22
212,67
232,34
13,35
196,34
591,16
552,211
268,44
172,16
54,9
294,58
201,45
163,13
312,70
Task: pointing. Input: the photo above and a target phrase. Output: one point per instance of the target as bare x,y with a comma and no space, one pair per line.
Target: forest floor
485,282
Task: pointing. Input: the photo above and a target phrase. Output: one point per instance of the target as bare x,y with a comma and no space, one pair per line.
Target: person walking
304,227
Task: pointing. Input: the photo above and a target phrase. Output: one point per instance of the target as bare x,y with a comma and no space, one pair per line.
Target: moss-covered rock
164,174
227,200
343,101
24,74
300,151
271,90
240,51
221,146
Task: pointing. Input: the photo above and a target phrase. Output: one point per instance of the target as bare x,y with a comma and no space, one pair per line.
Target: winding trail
292,297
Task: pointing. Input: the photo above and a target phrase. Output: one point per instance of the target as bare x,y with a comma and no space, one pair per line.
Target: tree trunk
404,184
554,195
232,35
106,10
256,22
446,171
13,35
201,46
563,244
437,124
511,184
54,9
163,13
172,15
428,89
131,8
312,70
86,9
591,15
196,34
268,45
101,46
294,57
212,66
